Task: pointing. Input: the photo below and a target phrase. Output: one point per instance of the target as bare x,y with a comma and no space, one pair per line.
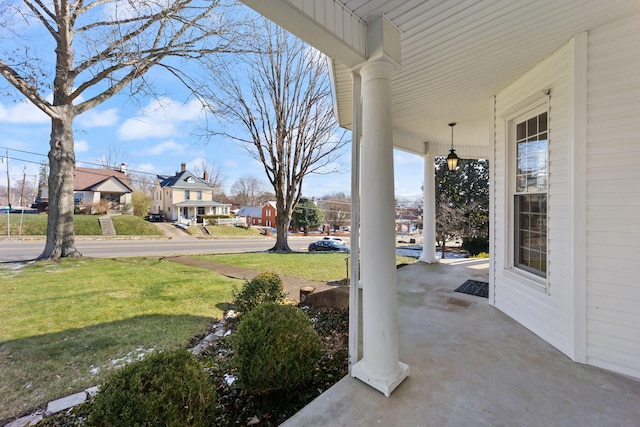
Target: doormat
474,287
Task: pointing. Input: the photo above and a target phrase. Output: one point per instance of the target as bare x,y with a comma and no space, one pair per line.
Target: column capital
378,68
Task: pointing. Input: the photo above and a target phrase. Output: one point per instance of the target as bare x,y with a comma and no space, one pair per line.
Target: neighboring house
95,185
259,215
252,214
185,196
549,92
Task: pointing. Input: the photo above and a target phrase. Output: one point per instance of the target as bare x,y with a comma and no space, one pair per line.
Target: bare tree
112,157
337,210
87,51
249,191
211,174
285,112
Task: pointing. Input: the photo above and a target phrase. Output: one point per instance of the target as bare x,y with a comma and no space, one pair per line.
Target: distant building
185,196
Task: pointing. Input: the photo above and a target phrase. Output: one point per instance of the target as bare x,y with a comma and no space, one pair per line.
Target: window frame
187,194
514,269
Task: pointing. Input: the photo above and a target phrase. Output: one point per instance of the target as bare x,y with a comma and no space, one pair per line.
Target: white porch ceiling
456,54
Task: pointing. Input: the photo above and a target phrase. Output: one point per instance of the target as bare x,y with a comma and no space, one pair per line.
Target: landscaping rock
29,420
65,403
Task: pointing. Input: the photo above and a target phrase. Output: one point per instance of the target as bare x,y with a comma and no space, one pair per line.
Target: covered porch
472,365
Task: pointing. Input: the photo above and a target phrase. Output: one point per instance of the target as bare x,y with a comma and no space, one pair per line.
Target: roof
250,211
183,179
455,56
87,178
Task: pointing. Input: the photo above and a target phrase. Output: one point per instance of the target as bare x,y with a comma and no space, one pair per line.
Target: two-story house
185,196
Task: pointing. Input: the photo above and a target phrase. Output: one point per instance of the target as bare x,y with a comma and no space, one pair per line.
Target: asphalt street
14,250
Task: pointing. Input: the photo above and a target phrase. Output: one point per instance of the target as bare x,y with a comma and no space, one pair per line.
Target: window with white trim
530,195
187,194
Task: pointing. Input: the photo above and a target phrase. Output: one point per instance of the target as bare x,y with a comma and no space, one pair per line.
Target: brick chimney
183,167
205,176
123,168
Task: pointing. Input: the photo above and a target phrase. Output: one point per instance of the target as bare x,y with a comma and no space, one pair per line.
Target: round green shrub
265,287
275,348
165,388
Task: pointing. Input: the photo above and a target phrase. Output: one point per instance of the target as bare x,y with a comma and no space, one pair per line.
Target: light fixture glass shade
452,160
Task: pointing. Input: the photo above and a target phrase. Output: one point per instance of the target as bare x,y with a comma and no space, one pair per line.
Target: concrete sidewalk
471,365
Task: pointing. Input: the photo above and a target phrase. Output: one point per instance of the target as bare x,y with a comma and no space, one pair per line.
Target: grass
323,267
227,232
70,320
129,225
84,225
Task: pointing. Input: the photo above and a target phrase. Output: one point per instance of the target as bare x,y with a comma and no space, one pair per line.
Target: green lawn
84,225
64,323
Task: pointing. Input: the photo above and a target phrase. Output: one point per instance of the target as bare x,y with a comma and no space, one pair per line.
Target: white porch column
380,366
429,212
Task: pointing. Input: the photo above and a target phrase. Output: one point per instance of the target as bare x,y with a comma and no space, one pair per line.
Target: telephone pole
8,180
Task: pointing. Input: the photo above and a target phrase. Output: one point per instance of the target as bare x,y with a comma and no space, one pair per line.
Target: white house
549,92
185,196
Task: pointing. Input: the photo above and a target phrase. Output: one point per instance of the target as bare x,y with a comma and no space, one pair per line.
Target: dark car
155,218
327,246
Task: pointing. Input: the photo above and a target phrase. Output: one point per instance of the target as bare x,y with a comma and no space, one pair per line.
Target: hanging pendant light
452,158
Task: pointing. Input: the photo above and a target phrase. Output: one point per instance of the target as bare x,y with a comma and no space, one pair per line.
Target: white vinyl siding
613,197
542,305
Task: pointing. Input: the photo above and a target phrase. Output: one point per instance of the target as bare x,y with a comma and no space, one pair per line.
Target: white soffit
456,54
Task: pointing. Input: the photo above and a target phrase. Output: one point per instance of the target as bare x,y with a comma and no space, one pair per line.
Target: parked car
328,246
41,205
155,218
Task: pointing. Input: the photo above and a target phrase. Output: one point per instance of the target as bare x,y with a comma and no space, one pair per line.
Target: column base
429,259
383,385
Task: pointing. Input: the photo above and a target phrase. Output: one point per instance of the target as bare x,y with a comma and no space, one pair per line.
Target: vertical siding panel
546,314
613,189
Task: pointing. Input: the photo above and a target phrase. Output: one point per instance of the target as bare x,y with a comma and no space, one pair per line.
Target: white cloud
23,112
146,167
95,118
161,118
168,146
81,146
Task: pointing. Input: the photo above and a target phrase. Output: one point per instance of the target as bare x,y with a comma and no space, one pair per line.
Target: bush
475,245
275,348
265,287
166,388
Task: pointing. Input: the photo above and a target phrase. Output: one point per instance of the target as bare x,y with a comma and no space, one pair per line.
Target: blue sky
155,136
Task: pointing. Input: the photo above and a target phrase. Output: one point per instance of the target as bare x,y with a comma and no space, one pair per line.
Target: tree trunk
282,227
60,232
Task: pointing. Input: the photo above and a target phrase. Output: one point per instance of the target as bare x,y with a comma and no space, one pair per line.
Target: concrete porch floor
471,365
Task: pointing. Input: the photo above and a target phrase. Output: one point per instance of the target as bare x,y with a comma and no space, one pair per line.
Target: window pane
532,126
542,122
531,233
521,131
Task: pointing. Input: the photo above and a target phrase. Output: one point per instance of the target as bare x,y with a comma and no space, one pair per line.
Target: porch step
107,226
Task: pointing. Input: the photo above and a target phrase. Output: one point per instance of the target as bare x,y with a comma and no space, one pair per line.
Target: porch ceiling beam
325,24
414,145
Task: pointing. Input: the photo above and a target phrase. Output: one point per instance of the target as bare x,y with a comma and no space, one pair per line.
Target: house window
77,199
530,196
187,194
200,210
199,195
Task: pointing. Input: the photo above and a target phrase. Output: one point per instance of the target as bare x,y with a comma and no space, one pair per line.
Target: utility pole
8,180
24,180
